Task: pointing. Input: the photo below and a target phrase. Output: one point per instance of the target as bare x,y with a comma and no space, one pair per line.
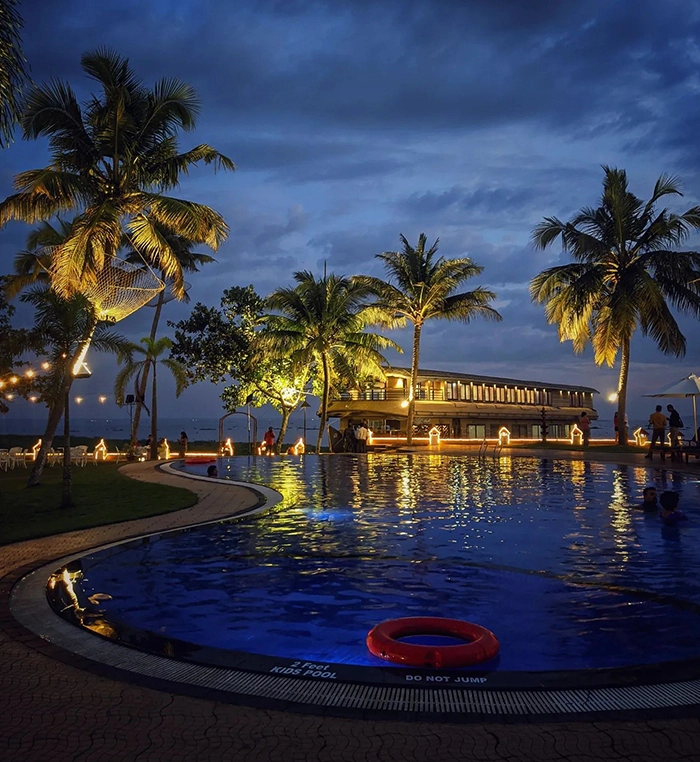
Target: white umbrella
686,387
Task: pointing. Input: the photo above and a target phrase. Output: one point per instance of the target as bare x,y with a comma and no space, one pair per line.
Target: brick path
51,711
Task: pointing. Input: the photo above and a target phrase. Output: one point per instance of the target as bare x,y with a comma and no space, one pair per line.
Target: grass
102,496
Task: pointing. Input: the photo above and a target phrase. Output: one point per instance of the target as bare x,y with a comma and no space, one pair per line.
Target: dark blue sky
352,121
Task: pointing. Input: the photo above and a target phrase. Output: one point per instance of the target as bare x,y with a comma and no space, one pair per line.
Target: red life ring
383,642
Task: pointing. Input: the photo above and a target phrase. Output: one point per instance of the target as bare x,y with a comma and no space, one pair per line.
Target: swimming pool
548,554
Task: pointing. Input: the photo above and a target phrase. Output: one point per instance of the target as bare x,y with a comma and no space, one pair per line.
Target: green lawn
102,496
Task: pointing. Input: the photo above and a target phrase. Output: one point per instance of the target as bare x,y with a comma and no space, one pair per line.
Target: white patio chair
4,460
17,457
78,455
53,457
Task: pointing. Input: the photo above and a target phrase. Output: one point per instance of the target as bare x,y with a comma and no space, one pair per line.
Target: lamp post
305,405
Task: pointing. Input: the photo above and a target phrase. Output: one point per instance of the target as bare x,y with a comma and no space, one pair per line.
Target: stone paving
53,711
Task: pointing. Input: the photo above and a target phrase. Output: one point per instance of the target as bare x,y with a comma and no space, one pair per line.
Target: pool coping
30,608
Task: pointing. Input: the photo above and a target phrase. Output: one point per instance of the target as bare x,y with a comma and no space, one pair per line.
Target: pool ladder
484,449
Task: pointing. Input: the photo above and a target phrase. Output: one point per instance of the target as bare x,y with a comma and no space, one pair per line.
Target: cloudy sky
353,121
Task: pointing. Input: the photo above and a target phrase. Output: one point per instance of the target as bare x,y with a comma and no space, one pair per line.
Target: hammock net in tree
122,288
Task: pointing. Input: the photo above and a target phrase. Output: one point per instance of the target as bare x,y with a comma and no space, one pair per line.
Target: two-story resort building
465,406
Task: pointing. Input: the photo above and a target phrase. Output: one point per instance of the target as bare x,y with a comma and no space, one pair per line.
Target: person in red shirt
269,439
584,423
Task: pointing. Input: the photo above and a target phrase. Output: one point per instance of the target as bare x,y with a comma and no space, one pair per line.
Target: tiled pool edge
39,627
53,635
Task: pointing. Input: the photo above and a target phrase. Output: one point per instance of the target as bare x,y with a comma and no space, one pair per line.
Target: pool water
551,555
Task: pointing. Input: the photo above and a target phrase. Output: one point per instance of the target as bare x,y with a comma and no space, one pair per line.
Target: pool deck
52,709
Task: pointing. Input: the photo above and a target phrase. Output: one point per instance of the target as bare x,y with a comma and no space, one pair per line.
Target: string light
102,398
78,400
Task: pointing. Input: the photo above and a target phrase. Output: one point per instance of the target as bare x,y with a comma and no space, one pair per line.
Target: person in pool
669,505
213,471
649,500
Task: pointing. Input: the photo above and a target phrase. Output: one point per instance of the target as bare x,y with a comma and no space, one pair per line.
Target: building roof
446,375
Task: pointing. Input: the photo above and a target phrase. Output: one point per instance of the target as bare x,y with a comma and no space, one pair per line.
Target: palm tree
421,287
151,352
322,323
189,261
624,275
13,72
112,161
60,328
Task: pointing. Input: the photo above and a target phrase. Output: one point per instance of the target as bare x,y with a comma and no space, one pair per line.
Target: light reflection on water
546,553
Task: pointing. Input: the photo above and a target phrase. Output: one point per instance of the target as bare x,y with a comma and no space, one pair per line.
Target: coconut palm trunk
415,358
153,455
324,402
56,413
143,380
67,488
622,391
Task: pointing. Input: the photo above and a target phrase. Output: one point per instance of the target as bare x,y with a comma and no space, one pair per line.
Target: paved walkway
52,711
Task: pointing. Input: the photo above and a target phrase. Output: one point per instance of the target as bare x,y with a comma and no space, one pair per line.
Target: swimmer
213,471
650,501
669,504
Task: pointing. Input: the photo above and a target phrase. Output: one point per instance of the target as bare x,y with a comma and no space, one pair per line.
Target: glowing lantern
576,435
434,436
100,451
503,436
227,449
640,437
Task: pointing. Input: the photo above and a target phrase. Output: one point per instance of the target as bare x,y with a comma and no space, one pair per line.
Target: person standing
584,423
674,424
182,443
361,435
269,440
617,426
657,421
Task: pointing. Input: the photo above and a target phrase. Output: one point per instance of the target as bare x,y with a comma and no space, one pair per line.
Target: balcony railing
382,395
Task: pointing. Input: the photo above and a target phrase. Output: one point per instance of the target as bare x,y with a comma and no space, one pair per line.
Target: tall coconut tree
112,160
189,261
13,71
421,286
321,324
151,353
625,275
60,329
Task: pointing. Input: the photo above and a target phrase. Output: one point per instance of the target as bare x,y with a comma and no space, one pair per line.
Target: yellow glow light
45,365
30,373
576,435
504,436
227,449
640,437
100,450
35,449
33,398
434,435
10,397
612,397
14,379
78,400
102,398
